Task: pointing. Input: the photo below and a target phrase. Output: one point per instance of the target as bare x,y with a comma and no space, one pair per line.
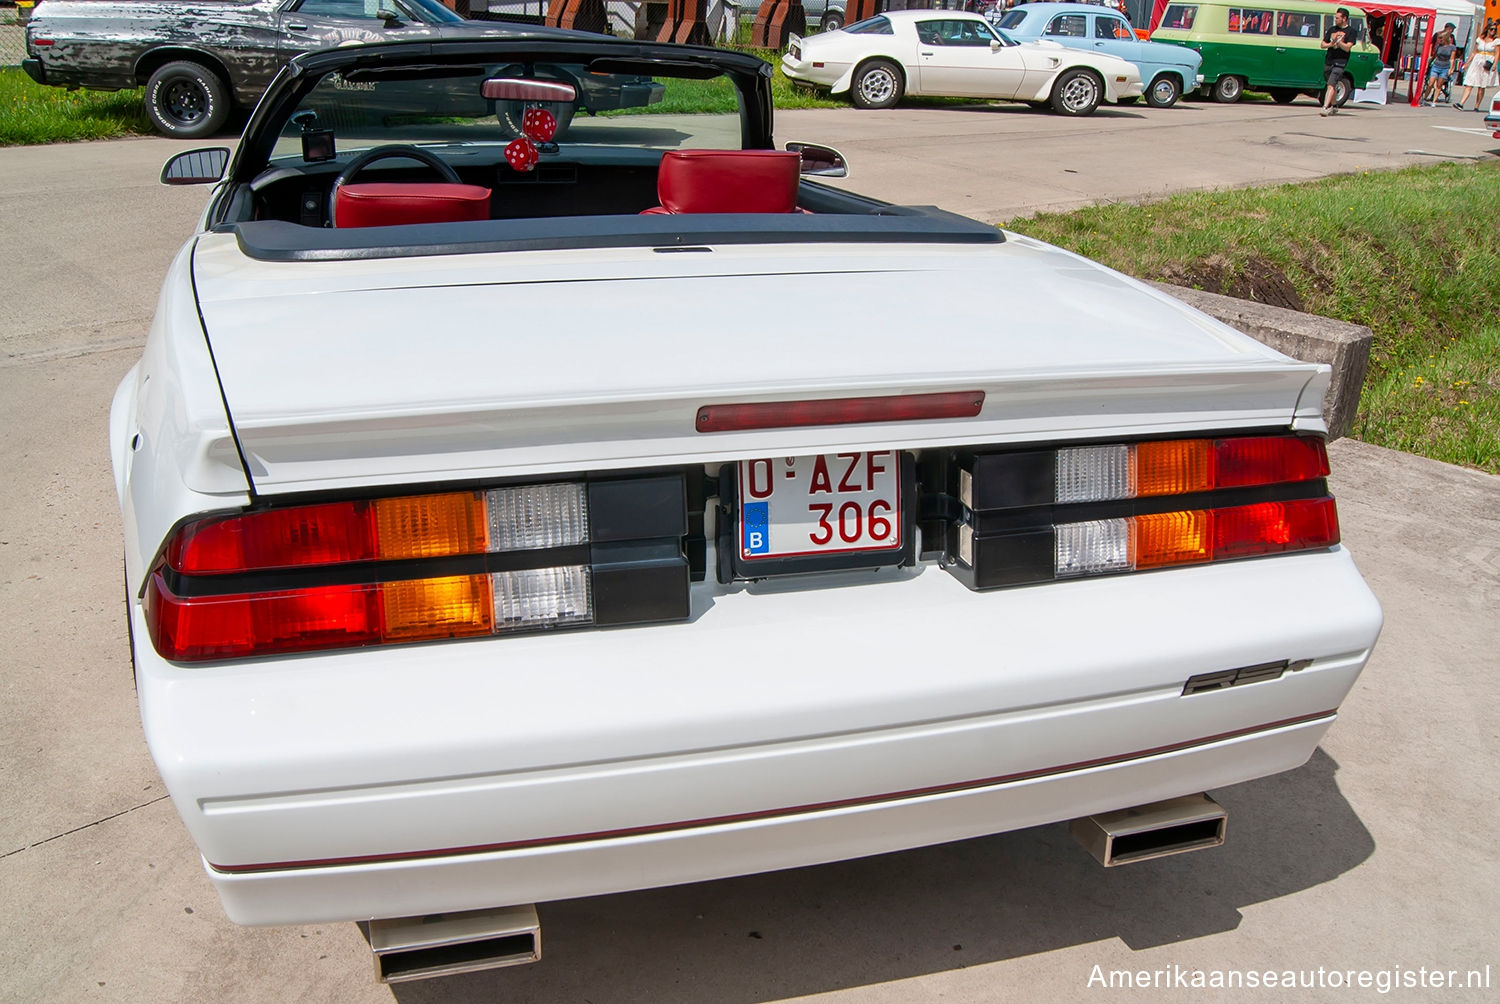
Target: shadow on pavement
897,916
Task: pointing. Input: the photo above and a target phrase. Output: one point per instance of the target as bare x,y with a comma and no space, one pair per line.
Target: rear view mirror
196,167
511,89
820,161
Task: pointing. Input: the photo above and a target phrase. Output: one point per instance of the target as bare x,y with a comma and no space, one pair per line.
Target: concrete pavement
1002,161
1376,854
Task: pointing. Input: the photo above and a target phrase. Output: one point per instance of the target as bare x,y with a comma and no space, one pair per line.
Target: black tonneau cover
274,240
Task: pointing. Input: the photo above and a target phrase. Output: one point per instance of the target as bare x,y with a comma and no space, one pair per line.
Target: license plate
827,504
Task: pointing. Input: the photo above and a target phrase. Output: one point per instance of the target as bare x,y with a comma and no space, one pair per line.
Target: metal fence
12,38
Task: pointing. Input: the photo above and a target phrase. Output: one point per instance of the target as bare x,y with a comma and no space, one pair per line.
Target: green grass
31,113
1414,254
1446,406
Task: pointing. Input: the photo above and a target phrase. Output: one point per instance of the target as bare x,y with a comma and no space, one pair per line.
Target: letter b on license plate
829,504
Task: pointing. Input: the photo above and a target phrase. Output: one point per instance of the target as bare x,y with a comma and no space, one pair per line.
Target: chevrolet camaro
511,518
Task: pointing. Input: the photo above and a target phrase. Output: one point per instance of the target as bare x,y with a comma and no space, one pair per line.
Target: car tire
832,21
1227,90
1164,91
1076,92
187,100
1285,95
1343,92
877,84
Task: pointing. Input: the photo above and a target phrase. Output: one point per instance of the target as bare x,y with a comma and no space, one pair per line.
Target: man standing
1340,37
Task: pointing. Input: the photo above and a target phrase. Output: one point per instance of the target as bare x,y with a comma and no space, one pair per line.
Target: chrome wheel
877,85
1077,93
1228,89
1164,92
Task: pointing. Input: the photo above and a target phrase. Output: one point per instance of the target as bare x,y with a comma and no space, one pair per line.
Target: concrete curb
1314,339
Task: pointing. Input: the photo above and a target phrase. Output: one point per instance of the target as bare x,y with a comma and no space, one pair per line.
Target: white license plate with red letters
825,504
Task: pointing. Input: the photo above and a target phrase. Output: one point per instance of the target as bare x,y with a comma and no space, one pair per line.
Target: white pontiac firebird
509,520
954,54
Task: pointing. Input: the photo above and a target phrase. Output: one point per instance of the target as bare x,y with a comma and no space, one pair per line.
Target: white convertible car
948,53
509,520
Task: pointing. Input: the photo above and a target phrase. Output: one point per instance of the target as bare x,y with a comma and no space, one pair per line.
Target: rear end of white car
540,575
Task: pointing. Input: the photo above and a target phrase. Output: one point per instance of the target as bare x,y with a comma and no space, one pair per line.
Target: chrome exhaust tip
1175,826
443,944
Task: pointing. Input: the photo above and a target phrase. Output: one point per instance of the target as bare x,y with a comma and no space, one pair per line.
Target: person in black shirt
1340,37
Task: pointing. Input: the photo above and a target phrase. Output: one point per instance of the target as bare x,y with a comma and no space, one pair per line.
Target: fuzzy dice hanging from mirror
538,126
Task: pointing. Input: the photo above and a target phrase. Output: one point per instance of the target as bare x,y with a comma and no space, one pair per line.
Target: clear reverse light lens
538,597
537,516
1094,474
1101,545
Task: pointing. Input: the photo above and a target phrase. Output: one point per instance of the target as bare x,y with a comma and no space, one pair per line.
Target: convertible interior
378,152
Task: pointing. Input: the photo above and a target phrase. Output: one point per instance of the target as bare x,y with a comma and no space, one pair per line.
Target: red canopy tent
1401,10
1386,10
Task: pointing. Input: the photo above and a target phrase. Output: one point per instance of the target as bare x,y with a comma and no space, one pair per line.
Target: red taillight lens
839,411
1270,527
278,538
1268,460
289,579
223,627
192,629
419,526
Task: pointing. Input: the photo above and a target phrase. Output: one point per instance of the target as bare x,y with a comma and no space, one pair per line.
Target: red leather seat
728,181
389,203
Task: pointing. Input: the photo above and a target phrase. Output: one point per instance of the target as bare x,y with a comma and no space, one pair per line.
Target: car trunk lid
434,368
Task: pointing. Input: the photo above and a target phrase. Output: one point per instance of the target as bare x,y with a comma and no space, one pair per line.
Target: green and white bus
1274,47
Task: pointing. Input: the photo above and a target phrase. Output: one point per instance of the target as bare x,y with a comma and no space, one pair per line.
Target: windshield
434,12
420,11
444,105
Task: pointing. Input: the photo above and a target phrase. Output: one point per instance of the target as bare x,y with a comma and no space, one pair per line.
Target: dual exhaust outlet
418,948
446,944
1175,826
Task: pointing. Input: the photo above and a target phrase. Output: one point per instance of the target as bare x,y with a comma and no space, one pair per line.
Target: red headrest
728,181
389,203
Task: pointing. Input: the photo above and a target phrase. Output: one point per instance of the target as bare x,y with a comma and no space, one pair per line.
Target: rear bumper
441,883
779,727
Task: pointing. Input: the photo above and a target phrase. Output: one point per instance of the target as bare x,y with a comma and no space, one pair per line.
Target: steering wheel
396,151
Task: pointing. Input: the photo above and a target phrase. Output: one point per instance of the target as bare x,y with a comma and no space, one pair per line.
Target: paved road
1376,854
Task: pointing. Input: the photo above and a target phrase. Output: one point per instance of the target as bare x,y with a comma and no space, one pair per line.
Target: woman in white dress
1484,68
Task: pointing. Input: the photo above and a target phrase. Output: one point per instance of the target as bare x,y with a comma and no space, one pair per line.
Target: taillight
1179,467
422,567
1037,515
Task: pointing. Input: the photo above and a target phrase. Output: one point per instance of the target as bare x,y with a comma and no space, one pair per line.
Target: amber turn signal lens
449,607
426,526
1175,467
1173,538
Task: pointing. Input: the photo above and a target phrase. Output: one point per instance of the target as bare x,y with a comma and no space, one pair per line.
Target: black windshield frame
750,75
